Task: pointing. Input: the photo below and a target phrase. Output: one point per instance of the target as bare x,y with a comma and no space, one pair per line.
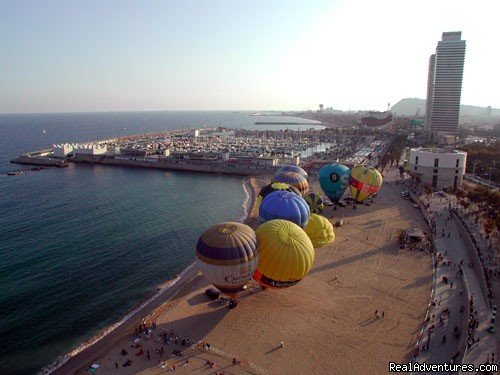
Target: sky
87,56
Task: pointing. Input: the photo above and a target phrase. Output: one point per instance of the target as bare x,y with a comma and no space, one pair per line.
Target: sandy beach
326,324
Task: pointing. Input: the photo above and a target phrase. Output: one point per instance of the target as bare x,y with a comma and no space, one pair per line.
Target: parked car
441,193
326,202
342,204
212,293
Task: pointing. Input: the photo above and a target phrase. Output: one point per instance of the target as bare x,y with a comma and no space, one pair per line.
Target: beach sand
327,322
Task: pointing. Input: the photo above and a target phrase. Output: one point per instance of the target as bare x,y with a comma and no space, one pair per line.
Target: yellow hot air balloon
365,181
320,231
286,254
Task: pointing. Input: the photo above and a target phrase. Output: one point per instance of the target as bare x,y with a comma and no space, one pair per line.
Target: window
434,181
435,170
456,171
458,162
436,163
416,160
416,168
455,183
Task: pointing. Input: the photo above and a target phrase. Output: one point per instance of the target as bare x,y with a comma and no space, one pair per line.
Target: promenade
459,316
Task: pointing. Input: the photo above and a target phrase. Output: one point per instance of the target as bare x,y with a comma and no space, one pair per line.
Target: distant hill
411,106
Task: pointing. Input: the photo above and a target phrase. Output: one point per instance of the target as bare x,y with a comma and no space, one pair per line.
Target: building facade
437,167
430,91
443,95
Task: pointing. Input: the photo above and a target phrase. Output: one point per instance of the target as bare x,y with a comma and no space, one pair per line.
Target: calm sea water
83,245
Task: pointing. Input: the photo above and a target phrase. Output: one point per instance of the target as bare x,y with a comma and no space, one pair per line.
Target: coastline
331,310
97,345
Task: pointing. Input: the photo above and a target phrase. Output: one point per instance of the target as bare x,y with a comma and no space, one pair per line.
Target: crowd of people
145,331
472,325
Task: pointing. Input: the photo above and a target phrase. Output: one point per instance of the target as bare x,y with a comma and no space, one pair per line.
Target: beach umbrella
364,182
286,254
294,168
227,254
284,205
275,187
320,231
315,202
334,179
294,179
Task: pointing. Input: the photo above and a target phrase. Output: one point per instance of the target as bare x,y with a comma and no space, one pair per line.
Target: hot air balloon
320,231
365,181
227,254
293,168
294,179
286,254
275,187
284,205
334,179
315,202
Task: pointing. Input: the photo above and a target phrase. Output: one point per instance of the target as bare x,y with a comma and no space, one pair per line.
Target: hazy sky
66,56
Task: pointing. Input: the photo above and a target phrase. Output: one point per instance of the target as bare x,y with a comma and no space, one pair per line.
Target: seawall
177,165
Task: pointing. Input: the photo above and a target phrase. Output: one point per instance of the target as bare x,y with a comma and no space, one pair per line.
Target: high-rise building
430,91
446,86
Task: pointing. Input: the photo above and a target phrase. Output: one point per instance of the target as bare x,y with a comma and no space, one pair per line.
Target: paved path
453,250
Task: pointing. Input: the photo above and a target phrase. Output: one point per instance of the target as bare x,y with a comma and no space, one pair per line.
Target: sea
83,246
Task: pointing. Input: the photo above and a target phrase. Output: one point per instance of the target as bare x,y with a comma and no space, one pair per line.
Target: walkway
453,295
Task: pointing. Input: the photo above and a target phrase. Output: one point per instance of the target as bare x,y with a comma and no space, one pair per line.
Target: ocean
82,246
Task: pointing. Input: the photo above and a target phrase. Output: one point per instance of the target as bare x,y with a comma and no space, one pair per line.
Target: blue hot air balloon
286,206
334,179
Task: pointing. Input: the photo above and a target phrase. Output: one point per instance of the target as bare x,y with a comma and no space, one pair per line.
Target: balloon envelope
286,254
320,231
293,168
365,181
284,205
227,254
294,179
334,179
275,187
315,202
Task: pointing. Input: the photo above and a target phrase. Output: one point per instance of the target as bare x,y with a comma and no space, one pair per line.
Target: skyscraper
430,91
445,87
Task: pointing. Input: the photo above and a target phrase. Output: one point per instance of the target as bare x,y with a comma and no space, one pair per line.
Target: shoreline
98,344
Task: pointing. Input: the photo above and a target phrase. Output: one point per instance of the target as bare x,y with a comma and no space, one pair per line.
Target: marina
215,150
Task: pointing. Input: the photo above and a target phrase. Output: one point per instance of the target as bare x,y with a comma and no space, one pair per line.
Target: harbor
215,150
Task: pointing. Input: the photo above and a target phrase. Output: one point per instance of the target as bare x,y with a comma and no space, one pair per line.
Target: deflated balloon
286,254
320,231
294,179
365,181
275,187
315,202
227,254
334,179
293,168
284,205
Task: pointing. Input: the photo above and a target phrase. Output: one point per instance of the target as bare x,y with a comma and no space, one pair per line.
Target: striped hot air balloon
284,205
286,254
227,254
364,182
274,187
294,168
294,179
315,202
320,231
